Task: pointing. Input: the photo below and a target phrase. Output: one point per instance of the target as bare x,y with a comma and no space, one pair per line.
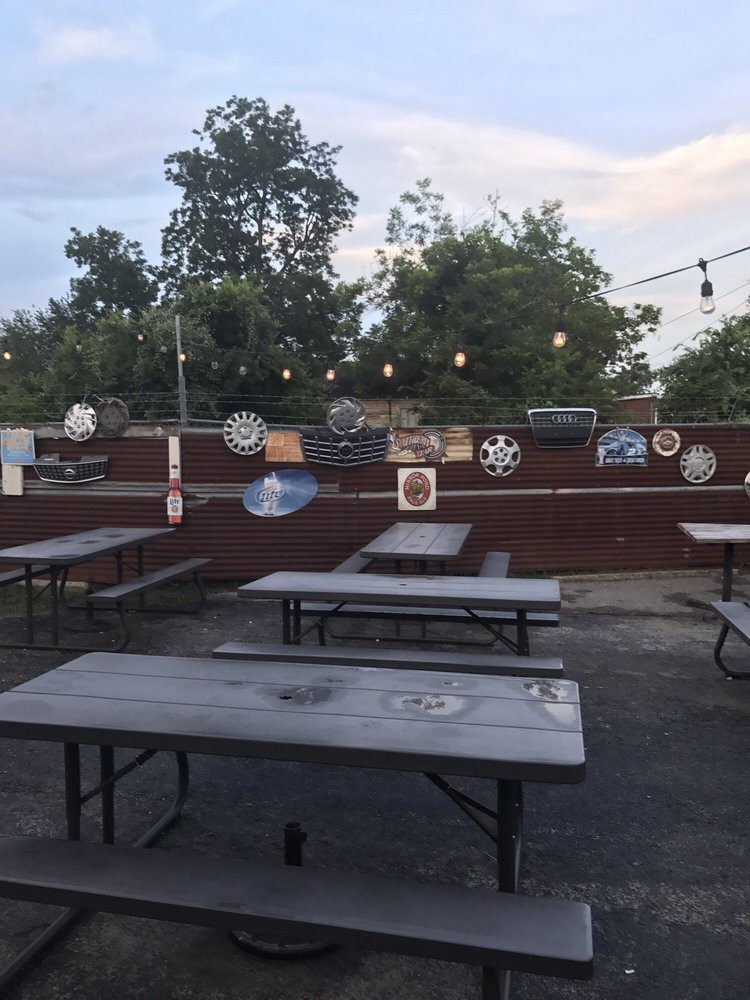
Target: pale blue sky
636,115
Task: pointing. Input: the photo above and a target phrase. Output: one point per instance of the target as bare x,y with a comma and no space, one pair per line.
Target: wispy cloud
76,43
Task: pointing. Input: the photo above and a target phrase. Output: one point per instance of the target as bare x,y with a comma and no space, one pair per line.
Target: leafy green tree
257,198
117,277
711,381
495,289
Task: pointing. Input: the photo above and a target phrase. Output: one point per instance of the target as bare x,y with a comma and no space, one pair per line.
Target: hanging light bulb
459,358
388,369
79,347
140,337
215,366
286,374
163,348
560,338
330,375
7,355
243,370
183,356
707,291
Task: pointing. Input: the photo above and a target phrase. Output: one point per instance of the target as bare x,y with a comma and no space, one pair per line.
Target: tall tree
495,288
257,198
117,276
710,381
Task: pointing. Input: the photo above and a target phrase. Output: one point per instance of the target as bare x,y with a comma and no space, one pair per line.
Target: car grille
52,469
329,448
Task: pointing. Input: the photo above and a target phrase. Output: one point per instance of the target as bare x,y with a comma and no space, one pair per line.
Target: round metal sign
666,442
500,455
245,433
80,422
279,493
697,463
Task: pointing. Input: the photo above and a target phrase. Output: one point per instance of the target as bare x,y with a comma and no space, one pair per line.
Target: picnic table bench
465,663
504,730
114,597
736,616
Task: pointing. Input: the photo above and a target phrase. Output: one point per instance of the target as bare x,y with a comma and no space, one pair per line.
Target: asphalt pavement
655,839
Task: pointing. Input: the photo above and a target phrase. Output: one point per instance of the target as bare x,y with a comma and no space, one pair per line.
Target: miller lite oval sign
280,492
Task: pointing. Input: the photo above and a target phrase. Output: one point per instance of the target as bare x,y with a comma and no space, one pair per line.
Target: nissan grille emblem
564,418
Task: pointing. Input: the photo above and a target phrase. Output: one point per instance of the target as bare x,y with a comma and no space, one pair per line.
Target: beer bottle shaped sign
174,498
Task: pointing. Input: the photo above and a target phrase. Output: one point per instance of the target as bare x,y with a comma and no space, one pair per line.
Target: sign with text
622,446
17,446
417,489
279,493
414,444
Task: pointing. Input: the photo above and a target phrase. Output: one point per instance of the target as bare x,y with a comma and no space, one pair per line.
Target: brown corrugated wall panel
557,512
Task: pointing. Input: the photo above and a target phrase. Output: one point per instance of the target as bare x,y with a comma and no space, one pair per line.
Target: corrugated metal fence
557,512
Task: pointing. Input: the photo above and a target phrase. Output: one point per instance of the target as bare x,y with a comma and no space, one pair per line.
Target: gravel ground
655,839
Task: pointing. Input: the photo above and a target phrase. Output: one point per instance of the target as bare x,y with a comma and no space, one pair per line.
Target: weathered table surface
425,591
68,550
420,541
492,727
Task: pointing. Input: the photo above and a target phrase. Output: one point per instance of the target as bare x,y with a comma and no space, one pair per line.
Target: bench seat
474,926
114,597
19,575
354,564
466,663
736,616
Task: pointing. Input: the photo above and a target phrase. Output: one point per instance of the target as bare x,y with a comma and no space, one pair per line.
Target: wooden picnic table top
425,591
721,533
67,550
419,540
493,727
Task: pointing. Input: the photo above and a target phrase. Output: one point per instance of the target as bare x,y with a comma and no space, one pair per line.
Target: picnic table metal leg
286,622
29,604
496,982
54,604
728,572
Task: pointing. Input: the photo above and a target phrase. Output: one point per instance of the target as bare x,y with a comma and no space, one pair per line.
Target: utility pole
181,394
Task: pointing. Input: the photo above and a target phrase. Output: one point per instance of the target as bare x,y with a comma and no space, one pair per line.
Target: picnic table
472,595
55,556
420,542
727,535
506,729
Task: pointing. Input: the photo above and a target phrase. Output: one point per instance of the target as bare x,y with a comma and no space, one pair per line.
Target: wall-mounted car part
112,417
80,422
329,448
570,427
500,455
85,469
666,442
697,463
245,433
346,415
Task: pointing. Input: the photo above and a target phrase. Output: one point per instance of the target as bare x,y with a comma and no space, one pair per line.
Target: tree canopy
710,381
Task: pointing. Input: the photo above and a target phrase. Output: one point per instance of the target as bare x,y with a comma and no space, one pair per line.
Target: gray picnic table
469,593
63,551
507,729
419,541
727,535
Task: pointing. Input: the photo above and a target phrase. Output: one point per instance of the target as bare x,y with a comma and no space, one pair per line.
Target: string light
141,337
707,305
459,358
560,338
7,356
286,374
388,369
182,356
242,370
330,375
